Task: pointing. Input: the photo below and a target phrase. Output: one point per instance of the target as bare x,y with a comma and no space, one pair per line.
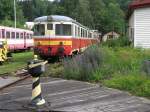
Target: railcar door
50,33
25,40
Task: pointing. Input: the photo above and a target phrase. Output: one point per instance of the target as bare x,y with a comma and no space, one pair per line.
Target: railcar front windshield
63,30
39,30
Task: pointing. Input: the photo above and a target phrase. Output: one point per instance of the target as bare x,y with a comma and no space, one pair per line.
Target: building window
39,30
63,29
132,33
49,26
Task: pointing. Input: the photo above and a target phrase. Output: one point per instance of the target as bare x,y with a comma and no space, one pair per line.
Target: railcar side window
76,31
3,33
0,34
17,35
8,35
21,36
82,33
30,36
79,32
63,29
90,35
13,35
39,30
49,26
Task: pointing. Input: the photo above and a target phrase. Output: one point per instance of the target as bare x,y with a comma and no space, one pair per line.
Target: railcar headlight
37,43
61,43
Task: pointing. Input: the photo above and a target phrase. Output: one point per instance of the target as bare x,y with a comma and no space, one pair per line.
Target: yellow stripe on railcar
53,42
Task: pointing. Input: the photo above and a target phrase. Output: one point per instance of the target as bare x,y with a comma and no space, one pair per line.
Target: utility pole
15,12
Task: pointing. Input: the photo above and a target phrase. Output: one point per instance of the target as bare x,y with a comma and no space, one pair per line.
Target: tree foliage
7,13
104,15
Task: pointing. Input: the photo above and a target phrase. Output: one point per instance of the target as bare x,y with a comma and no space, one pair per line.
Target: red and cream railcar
17,39
60,35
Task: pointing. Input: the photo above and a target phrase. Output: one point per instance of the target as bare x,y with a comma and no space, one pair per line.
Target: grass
54,70
19,61
136,84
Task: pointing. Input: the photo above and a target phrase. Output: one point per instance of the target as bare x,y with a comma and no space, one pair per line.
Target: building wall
142,27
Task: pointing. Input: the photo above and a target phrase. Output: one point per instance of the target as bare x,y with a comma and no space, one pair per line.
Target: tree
97,10
7,13
115,18
124,4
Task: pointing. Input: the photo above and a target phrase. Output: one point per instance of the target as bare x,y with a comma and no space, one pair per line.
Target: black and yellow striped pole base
36,92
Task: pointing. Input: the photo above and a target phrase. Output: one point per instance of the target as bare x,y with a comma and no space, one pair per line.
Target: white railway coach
17,39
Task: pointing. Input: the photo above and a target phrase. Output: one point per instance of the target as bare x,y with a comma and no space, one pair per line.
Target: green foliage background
104,15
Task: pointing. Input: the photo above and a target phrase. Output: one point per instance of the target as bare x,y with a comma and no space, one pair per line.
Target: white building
139,23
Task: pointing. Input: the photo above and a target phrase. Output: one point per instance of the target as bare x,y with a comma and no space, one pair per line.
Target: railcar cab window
63,30
39,30
49,26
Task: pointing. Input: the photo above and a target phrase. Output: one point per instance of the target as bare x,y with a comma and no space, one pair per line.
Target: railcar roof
57,18
54,18
17,29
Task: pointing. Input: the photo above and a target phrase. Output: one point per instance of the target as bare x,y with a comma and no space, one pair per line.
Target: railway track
20,75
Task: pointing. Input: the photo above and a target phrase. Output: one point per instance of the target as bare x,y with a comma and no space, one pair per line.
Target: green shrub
82,66
120,42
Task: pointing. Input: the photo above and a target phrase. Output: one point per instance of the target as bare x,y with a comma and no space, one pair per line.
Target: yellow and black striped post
36,90
3,51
